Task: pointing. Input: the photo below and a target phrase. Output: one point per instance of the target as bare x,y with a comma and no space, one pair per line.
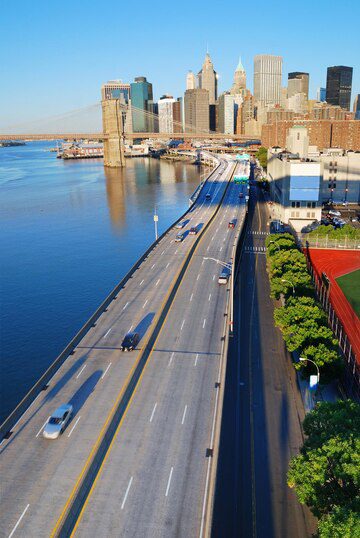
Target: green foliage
261,155
341,417
326,473
340,523
287,261
300,280
346,231
283,245
277,238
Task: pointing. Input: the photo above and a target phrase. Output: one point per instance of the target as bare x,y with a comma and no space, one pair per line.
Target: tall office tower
190,81
298,83
169,110
338,86
196,111
356,108
116,89
142,105
239,84
207,78
321,95
267,79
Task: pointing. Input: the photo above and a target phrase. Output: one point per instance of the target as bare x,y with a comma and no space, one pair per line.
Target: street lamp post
228,266
291,284
303,359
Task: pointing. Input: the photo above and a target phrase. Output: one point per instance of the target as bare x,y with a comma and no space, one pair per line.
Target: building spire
240,66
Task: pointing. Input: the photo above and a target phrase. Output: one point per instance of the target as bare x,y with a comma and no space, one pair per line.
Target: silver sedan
58,421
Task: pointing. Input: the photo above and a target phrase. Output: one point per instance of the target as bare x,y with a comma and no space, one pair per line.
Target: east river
70,230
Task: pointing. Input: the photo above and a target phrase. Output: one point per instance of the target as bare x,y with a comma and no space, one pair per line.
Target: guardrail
41,384
321,241
73,509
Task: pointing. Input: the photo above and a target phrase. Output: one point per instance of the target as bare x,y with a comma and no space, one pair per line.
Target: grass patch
350,286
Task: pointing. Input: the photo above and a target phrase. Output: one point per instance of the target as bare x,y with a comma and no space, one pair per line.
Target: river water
69,232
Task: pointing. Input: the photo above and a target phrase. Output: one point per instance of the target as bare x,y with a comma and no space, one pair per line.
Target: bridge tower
114,131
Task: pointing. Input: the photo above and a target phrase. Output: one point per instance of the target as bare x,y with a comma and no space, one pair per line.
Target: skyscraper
196,103
142,105
190,81
239,84
207,78
356,108
298,82
338,86
116,89
321,95
267,79
169,114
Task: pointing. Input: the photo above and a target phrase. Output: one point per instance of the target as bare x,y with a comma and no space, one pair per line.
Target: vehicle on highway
335,213
241,195
193,230
208,196
180,225
179,237
232,223
58,421
130,342
224,276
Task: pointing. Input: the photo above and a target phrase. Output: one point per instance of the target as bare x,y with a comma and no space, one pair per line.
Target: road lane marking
169,482
172,241
210,297
176,251
220,249
145,303
162,253
207,250
167,265
42,427
126,493
184,415
18,521
204,323
73,428
182,325
141,282
105,335
197,278
126,304
214,277
157,282
191,297
196,359
107,368
153,265
131,328
171,358
81,371
153,412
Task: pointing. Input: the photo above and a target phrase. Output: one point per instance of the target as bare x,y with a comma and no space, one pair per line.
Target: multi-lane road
153,477
262,411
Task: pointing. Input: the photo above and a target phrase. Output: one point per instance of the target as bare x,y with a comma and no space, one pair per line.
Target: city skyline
54,53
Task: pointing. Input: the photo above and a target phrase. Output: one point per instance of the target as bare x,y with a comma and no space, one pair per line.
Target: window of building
313,214
308,214
297,214
292,204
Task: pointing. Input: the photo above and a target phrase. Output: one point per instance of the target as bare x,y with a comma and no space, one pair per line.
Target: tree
288,282
261,155
287,261
279,246
340,523
278,238
326,473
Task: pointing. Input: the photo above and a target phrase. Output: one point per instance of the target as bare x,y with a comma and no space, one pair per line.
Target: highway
263,410
166,428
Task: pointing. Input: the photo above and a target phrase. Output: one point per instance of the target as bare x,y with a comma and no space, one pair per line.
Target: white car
58,421
335,213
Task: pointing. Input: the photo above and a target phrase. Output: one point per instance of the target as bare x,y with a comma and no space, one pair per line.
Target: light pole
303,359
291,284
228,266
156,218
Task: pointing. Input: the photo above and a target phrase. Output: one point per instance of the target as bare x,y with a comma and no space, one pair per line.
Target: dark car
130,342
193,230
325,222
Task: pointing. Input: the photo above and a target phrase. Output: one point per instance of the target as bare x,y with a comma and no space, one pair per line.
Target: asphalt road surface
38,475
262,410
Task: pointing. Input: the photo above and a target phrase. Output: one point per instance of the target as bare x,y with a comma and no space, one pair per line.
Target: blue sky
54,56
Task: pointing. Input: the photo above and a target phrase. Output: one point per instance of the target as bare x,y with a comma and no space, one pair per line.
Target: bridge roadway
38,475
103,136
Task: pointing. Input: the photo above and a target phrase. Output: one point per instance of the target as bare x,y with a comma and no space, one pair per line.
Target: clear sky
54,56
